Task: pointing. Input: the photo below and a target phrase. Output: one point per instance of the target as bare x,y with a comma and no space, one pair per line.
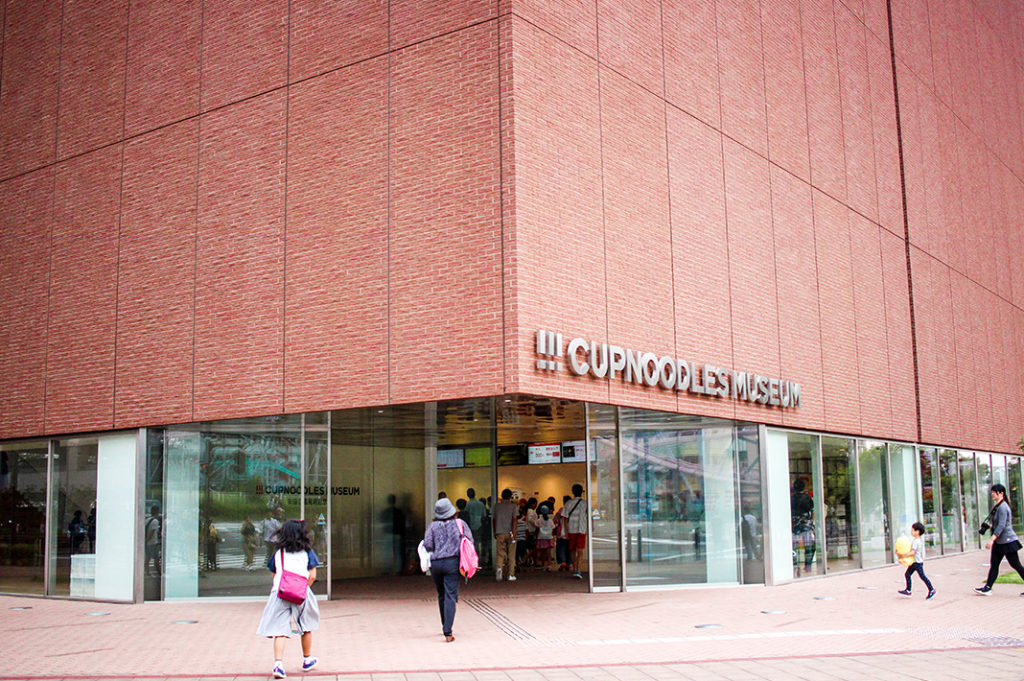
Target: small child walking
295,554
917,551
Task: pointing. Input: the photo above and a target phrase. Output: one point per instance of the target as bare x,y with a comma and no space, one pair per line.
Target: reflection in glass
603,497
969,494
840,492
952,503
315,449
228,486
748,463
73,528
688,518
1013,490
377,490
876,536
22,516
805,507
928,461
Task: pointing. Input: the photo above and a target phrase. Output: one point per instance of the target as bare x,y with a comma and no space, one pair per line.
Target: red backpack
468,560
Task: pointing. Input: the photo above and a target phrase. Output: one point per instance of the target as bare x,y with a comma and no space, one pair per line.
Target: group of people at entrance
293,562
528,533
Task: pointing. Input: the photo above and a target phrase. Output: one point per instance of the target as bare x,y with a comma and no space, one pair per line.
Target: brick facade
214,208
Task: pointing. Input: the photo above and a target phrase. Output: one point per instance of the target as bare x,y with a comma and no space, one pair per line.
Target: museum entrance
390,464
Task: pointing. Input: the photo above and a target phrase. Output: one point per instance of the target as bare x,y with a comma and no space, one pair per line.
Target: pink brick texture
217,209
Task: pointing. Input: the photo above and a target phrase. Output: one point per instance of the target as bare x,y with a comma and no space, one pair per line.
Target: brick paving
851,626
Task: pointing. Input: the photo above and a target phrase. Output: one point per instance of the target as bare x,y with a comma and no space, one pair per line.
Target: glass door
875,533
952,512
842,543
23,516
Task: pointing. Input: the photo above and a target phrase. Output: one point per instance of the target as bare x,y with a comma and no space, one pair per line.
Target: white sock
279,662
307,658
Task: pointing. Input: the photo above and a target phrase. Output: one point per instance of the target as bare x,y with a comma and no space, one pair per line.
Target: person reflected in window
801,507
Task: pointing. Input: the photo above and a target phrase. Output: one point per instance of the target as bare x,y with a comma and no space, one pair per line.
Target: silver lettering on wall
612,362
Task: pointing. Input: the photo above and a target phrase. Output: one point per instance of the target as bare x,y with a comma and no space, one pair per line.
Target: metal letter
667,380
773,391
634,374
739,385
649,367
762,389
682,375
598,367
723,382
618,356
575,345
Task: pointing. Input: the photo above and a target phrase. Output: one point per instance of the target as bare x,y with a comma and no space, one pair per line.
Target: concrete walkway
851,626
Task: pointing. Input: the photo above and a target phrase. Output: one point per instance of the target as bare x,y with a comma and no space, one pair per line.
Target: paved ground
845,627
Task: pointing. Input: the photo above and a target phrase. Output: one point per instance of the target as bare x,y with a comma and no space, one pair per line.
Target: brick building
327,259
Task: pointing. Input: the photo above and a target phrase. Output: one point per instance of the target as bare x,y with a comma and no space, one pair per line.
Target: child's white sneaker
308,663
279,671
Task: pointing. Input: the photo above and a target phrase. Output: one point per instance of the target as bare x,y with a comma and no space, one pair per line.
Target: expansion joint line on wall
906,220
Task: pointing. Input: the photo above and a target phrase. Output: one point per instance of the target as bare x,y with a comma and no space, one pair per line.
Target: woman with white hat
442,541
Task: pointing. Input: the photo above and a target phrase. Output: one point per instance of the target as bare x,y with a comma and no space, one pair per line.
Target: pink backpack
468,560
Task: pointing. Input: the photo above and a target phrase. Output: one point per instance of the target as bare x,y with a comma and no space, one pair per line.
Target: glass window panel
969,497
876,540
603,497
73,528
805,505
1013,488
683,483
930,498
316,447
905,505
748,462
841,529
23,516
951,512
378,490
153,524
985,481
999,470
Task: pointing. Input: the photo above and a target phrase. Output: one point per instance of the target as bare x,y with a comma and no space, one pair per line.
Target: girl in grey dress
295,554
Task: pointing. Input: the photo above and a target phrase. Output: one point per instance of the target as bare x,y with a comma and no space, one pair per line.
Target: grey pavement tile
423,676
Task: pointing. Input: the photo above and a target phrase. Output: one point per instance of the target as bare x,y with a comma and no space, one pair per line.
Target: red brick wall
214,208
785,210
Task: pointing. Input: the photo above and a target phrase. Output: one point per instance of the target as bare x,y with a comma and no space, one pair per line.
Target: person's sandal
449,639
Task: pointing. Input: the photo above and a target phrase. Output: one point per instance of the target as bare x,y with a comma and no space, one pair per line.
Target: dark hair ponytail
292,537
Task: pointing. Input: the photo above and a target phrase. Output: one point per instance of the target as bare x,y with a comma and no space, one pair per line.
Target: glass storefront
671,499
